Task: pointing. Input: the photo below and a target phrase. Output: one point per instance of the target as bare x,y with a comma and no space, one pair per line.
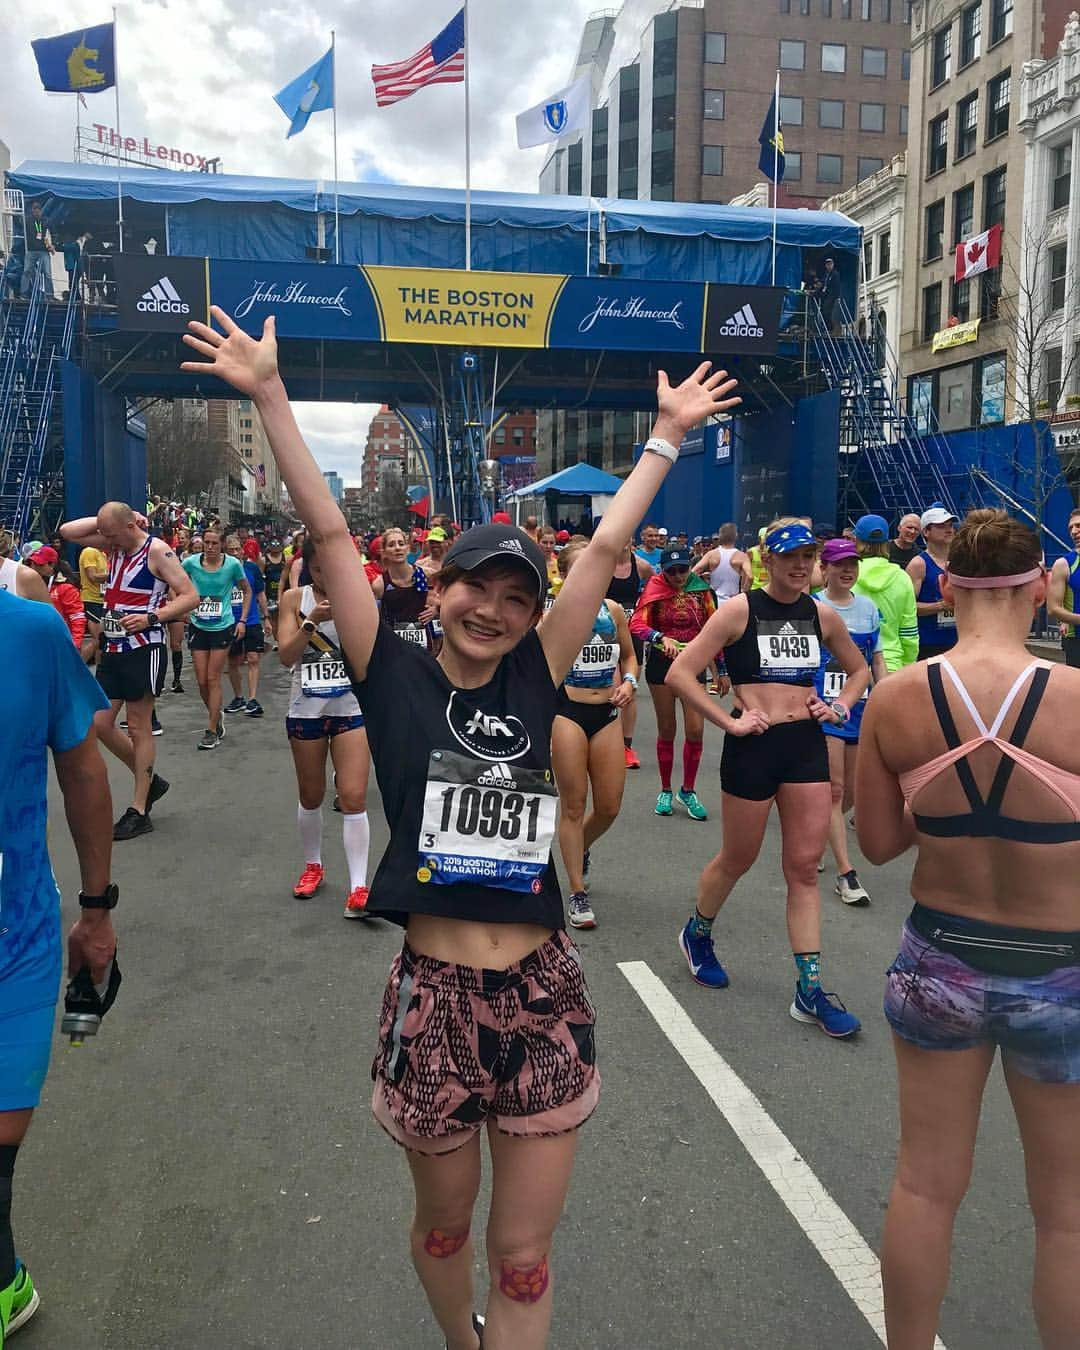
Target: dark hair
992,544
306,555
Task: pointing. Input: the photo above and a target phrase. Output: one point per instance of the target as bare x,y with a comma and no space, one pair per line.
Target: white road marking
839,1243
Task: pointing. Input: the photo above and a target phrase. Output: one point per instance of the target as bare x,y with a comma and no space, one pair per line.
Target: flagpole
468,153
119,141
776,168
333,124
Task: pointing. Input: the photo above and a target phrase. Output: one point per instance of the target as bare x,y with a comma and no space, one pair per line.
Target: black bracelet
106,900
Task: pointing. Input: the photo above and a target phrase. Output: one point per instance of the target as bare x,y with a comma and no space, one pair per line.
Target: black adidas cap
506,543
674,557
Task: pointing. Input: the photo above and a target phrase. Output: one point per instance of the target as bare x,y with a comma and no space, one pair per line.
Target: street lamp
489,480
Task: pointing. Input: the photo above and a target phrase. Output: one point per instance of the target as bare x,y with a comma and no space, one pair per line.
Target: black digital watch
106,900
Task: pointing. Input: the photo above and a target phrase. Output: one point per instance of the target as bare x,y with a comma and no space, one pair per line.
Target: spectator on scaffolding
828,292
73,256
39,252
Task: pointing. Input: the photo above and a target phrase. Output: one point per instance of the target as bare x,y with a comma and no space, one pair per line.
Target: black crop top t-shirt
781,644
467,787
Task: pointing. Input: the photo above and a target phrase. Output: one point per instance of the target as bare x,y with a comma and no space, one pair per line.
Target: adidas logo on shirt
788,630
744,323
162,298
498,775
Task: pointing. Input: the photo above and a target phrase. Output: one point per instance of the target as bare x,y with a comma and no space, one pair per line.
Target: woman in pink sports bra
964,758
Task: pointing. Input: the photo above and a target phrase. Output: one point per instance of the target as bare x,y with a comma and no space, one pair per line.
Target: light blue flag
308,93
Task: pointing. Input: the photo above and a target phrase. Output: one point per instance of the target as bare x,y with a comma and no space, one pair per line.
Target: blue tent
579,480
264,219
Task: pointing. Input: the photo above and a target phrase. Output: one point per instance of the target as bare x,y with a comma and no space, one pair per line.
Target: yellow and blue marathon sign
445,307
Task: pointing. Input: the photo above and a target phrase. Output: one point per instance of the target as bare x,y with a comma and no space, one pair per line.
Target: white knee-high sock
356,835
310,823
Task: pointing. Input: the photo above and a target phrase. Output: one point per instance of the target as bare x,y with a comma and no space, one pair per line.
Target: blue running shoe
826,1011
689,799
663,802
701,958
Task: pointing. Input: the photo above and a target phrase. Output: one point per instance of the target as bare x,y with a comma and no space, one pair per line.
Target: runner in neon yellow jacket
890,588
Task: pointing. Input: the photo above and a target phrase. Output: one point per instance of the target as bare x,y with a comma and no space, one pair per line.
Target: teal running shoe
694,808
663,802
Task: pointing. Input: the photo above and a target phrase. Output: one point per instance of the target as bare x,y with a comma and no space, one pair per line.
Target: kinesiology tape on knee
441,1245
524,1285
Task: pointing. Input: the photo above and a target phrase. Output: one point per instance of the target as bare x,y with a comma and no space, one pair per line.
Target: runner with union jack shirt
133,636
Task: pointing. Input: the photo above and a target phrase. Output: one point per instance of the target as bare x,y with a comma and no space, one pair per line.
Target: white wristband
657,446
631,680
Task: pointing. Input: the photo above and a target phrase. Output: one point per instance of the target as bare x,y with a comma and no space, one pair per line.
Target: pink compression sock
691,758
665,760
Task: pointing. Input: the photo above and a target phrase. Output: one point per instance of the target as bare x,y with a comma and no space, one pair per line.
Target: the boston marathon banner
491,309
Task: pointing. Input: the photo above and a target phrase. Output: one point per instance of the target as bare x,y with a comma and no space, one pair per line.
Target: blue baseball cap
872,530
790,537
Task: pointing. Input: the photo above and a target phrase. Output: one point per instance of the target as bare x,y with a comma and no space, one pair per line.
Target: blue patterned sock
808,964
699,925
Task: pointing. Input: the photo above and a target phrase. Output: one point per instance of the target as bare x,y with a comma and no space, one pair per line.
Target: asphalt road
206,1173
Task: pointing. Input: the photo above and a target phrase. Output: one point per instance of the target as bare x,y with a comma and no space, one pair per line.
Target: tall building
336,484
680,92
388,448
966,174
256,453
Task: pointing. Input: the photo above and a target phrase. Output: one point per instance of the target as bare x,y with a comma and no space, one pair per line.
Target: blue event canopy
579,480
264,219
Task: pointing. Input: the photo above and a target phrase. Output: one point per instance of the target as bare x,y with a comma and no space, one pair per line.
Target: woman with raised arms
486,1018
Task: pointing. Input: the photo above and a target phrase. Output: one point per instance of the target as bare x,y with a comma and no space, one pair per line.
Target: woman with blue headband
774,750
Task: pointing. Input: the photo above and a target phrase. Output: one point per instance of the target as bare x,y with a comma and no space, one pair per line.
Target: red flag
980,253
421,506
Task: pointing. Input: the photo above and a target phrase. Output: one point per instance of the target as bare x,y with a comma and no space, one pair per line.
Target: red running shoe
356,904
632,761
310,880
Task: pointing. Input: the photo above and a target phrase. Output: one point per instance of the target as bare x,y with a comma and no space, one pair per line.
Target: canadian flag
978,254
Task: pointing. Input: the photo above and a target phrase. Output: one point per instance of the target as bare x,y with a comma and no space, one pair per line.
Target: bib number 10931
490,823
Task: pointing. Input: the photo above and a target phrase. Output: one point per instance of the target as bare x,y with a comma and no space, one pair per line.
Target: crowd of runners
491,678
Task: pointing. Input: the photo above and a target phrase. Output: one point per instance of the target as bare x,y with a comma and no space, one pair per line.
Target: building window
902,120
1056,260
831,112
598,184
884,257
867,10
629,108
712,160
963,214
970,34
967,125
874,61
868,166
934,233
792,55
937,145
960,300
1062,174
790,111
998,93
872,117
715,49
994,199
905,64
573,170
941,56
833,58
714,105
830,168
792,166
826,9
989,294
868,259
1001,22
931,310
1052,376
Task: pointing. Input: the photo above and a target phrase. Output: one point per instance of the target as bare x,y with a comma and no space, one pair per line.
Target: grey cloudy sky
202,76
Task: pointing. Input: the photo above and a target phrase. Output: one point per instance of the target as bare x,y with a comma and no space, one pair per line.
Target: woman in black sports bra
972,758
771,639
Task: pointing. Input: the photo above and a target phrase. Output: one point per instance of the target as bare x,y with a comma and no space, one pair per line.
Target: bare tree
1037,304
183,461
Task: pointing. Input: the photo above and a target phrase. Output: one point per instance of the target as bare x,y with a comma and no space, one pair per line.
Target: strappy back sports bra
985,820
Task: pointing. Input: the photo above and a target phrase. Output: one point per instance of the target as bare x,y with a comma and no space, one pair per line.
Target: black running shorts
754,767
129,676
209,639
590,717
254,640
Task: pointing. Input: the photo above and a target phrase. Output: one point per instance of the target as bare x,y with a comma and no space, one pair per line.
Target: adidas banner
743,319
157,294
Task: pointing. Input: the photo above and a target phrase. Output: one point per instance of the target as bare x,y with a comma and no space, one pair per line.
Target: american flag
260,475
441,61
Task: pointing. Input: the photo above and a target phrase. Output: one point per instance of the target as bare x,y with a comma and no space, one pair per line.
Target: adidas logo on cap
162,298
498,775
515,544
744,323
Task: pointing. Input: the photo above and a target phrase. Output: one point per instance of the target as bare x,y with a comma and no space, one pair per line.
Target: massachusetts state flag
771,140
980,253
442,61
80,62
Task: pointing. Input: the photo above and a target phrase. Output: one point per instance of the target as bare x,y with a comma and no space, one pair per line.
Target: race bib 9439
486,822
788,649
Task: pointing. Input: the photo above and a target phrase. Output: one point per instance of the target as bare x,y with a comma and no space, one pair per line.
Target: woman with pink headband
963,757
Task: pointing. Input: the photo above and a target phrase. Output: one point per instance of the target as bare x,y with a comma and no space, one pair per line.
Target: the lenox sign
144,149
